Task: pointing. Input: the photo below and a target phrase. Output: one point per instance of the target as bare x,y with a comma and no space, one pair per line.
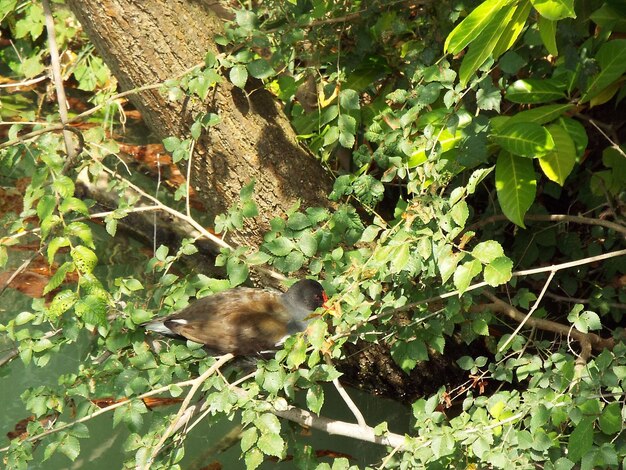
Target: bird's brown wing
242,321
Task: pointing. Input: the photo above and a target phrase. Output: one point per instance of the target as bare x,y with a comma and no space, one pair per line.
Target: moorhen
244,321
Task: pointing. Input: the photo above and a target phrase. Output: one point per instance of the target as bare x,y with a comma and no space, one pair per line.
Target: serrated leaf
465,273
61,303
73,204
349,99
447,262
238,76
253,458
93,309
298,221
558,164
82,231
54,245
84,259
611,419
237,271
487,251
64,186
258,257
248,438
293,261
297,354
261,69
407,354
581,439
59,276
280,246
516,186
498,271
315,398
307,243
45,206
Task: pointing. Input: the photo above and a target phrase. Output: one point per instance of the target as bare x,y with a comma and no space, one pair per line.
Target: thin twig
530,312
58,79
346,398
181,416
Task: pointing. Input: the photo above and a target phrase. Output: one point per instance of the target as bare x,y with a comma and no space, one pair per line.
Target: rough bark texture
149,41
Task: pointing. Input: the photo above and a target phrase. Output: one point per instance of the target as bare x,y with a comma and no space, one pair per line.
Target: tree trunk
149,41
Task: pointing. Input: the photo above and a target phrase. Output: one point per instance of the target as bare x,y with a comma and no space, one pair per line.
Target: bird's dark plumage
244,321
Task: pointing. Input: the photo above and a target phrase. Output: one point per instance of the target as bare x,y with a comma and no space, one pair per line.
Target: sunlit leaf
516,186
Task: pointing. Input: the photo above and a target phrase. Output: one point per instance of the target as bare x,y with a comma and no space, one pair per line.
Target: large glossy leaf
516,186
525,139
482,48
612,60
558,164
533,91
578,134
541,114
513,29
547,31
472,26
555,9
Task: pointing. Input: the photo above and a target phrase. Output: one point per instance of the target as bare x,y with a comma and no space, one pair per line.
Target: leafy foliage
442,125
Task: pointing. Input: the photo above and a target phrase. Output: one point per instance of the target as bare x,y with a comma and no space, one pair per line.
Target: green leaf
612,60
498,272
239,76
581,439
447,262
611,419
514,28
578,134
64,186
407,354
258,257
516,186
465,273
541,114
315,398
261,69
487,251
347,129
280,246
237,271
298,221
547,31
297,354
4,256
349,99
93,309
248,438
73,204
525,139
293,261
533,91
61,303
399,257
558,164
70,447
55,244
471,27
555,9
484,45
82,231
307,243
59,276
253,458
46,206
84,259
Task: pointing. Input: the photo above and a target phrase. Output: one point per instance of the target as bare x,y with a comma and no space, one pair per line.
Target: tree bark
149,41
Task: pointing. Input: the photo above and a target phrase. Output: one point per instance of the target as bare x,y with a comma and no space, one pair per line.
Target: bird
244,321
